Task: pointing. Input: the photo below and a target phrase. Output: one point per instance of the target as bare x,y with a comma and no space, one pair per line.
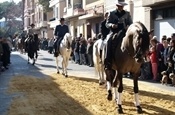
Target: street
45,66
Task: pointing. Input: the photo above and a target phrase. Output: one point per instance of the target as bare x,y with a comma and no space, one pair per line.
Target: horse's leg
63,66
36,54
102,74
109,84
136,96
120,89
28,59
33,58
115,83
56,58
66,64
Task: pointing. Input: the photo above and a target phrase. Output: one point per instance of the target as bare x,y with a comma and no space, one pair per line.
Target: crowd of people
82,50
160,58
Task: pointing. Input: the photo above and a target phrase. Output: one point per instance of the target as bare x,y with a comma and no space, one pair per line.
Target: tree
11,11
45,4
1,11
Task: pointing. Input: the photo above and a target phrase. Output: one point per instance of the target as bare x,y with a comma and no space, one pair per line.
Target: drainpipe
131,8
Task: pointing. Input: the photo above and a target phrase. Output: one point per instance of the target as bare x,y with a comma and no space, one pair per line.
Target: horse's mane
144,34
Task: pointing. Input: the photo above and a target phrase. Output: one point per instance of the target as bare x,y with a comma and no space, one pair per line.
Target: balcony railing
78,6
52,19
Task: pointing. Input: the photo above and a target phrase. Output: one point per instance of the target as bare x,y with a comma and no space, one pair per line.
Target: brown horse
128,56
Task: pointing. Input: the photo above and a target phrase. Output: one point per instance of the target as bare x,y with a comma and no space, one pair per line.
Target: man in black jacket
118,21
104,31
59,33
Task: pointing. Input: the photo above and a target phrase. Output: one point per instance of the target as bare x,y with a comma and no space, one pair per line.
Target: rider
117,21
31,31
59,33
104,31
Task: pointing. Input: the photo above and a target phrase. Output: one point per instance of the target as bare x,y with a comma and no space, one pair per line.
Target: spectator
50,45
89,52
76,51
153,58
82,52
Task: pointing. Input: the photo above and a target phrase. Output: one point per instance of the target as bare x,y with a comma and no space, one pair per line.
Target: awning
92,15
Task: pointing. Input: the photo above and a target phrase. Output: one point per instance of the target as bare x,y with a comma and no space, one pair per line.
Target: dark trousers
57,44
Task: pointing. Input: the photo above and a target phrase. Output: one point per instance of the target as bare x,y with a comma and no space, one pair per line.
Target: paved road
45,65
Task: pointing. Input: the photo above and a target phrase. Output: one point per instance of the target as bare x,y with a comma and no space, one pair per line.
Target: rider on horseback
117,21
30,33
104,32
59,33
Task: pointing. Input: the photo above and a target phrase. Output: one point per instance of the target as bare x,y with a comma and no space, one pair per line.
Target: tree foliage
11,11
45,4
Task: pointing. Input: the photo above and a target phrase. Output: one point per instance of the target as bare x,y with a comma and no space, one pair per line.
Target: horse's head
137,41
141,42
67,40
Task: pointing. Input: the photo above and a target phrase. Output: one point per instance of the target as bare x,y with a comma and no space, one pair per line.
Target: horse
32,43
99,67
128,56
21,45
65,52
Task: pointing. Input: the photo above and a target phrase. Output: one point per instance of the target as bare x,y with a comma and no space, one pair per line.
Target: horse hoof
66,75
63,74
109,97
101,83
120,111
139,110
58,72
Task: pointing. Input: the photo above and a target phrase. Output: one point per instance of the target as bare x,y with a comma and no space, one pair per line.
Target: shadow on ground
25,90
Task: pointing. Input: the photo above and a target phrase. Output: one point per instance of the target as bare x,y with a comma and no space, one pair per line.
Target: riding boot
108,59
56,51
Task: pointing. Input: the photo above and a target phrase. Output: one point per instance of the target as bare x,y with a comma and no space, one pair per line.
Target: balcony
43,24
78,10
95,12
68,12
150,3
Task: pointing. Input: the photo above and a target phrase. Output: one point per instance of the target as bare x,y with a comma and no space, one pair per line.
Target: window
45,17
69,4
164,13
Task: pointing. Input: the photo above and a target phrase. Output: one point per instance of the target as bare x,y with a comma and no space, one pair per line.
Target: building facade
57,13
84,16
94,14
74,9
34,13
161,16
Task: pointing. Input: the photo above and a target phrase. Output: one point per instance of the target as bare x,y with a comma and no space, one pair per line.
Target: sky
10,0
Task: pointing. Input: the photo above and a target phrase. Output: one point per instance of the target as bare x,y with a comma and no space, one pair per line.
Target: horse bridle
138,53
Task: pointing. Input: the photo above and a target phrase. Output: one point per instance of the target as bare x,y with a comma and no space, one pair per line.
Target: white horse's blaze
65,53
119,100
136,97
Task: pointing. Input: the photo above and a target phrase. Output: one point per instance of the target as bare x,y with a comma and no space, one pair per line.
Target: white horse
96,59
65,52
